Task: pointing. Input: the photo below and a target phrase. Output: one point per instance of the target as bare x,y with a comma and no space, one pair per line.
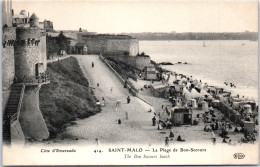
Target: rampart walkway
104,126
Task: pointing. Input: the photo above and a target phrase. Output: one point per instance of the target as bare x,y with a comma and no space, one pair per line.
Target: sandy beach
138,128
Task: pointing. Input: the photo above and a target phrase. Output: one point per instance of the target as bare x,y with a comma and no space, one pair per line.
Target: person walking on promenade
103,101
92,64
128,99
126,115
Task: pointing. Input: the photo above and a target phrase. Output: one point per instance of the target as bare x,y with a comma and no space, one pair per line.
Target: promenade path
58,58
137,129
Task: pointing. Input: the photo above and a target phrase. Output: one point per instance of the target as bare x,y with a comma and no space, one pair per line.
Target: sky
146,16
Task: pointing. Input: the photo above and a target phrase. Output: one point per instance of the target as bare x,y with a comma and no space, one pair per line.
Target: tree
63,42
52,46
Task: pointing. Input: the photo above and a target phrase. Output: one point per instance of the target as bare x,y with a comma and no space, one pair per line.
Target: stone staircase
12,110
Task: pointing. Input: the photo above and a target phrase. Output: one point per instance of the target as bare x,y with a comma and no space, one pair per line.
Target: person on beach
111,90
186,95
159,126
92,64
97,84
128,99
97,142
168,124
214,140
166,142
179,138
171,134
154,121
213,136
119,121
126,115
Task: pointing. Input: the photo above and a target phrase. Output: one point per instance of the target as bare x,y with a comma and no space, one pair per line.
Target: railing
132,89
43,77
16,116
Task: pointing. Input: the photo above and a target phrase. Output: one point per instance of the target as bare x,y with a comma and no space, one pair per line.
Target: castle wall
134,47
8,35
137,61
111,46
118,46
142,61
26,53
43,51
8,71
96,45
126,59
17,135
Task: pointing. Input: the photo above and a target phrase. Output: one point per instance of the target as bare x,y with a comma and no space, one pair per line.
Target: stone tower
34,21
30,66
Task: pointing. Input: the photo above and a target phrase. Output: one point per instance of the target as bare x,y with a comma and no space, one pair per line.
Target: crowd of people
186,91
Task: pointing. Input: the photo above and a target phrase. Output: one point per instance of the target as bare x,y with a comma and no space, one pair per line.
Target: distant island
253,36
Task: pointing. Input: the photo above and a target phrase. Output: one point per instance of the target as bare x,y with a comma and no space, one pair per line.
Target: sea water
213,61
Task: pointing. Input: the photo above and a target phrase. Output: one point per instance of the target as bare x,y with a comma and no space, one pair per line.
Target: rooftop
19,16
159,86
33,16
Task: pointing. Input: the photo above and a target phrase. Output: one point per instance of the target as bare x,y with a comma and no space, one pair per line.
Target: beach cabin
160,90
150,73
180,116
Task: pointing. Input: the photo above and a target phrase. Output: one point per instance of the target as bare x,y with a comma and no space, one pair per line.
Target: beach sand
138,128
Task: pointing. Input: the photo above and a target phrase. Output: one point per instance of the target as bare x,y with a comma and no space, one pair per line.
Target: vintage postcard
94,82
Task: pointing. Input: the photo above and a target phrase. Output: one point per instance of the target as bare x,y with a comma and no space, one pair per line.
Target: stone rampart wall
8,71
111,46
134,47
118,46
17,135
43,51
96,46
142,61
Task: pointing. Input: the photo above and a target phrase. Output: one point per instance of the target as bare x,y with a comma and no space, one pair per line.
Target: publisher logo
239,156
